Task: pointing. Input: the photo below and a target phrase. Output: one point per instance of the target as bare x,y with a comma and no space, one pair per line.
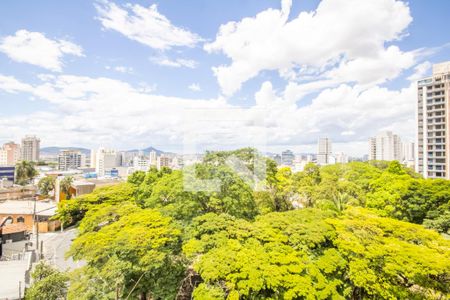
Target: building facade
287,158
324,151
9,154
433,132
31,146
7,173
70,160
385,146
105,160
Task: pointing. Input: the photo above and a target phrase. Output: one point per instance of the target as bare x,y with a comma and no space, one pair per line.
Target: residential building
341,158
30,148
9,154
324,151
24,211
433,135
71,160
287,158
163,161
385,146
141,163
408,154
277,158
107,159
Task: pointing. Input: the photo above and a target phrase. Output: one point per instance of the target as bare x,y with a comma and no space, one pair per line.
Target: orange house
24,211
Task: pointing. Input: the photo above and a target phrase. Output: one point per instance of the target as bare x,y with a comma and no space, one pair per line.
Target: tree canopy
211,231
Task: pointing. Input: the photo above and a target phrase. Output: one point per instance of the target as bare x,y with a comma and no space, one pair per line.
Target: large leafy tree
311,254
25,172
70,212
48,283
130,252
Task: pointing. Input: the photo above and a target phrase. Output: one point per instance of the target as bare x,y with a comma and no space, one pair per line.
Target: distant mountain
56,150
147,150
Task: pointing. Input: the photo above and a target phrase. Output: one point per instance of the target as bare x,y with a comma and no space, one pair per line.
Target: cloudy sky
207,74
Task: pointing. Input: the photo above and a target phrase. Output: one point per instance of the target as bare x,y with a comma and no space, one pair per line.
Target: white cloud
351,33
175,63
121,69
12,85
36,49
144,25
195,87
92,111
420,71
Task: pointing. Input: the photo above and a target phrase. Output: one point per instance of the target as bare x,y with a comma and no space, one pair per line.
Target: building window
20,220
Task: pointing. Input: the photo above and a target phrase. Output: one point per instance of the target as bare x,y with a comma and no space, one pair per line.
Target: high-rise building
385,146
71,160
287,158
9,154
324,151
153,158
433,135
105,160
408,154
30,148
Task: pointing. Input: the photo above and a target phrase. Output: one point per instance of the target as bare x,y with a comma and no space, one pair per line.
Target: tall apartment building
71,160
30,148
9,154
385,146
433,99
324,151
105,160
287,158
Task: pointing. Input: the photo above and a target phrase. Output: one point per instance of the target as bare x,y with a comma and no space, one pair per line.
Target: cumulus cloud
144,25
36,49
174,63
349,33
92,111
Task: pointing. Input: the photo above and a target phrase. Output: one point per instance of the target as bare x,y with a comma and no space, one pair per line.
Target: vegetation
65,185
46,185
25,172
48,283
346,231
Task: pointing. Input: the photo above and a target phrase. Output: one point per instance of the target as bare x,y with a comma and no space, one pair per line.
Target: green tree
65,185
48,283
70,212
25,172
134,252
136,178
46,185
314,254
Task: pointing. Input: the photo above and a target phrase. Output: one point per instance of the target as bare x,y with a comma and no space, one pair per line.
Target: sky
195,75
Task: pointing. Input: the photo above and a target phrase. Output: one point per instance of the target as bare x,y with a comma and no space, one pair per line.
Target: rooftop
26,207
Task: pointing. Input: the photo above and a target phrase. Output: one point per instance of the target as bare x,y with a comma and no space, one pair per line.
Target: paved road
56,245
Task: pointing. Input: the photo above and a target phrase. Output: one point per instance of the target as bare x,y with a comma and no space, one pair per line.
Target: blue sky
160,67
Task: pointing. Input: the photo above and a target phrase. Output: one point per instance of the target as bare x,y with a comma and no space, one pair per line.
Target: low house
27,212
14,232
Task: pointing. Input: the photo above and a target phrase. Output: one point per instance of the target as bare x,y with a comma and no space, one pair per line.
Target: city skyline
131,76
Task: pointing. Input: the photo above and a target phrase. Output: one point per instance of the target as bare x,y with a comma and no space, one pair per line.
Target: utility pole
36,226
